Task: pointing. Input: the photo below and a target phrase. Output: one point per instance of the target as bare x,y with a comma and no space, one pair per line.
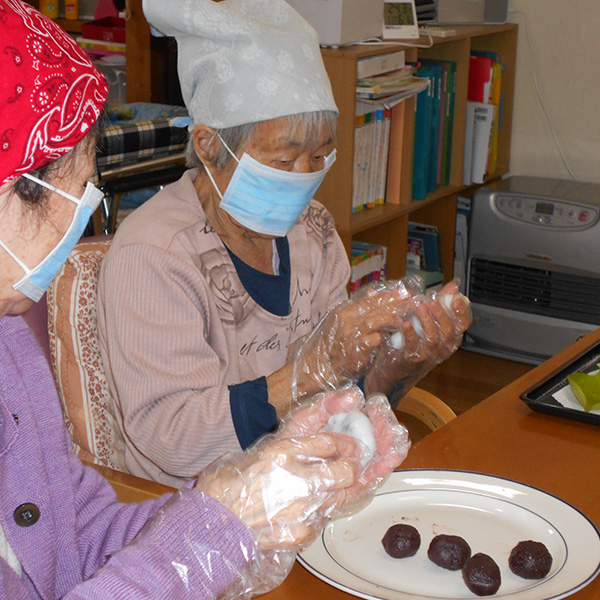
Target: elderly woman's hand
287,486
341,349
441,330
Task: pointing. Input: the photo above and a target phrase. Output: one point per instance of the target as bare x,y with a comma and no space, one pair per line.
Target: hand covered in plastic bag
390,438
286,487
432,331
342,347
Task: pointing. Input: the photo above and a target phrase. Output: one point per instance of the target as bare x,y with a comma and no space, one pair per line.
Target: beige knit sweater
177,327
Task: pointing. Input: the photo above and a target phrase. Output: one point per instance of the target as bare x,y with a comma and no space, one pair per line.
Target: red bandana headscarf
50,93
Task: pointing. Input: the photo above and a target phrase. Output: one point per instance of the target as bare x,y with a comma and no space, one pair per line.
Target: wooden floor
465,379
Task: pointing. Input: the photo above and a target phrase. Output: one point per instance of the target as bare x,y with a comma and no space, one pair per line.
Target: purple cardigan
65,553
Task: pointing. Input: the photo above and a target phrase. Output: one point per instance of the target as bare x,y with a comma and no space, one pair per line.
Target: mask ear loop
23,266
15,258
49,186
208,172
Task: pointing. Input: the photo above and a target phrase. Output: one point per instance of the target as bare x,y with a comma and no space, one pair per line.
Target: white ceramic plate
492,514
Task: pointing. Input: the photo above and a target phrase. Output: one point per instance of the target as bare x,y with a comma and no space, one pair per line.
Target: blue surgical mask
268,200
36,281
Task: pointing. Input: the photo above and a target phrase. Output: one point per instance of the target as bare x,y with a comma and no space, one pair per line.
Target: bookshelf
387,224
152,78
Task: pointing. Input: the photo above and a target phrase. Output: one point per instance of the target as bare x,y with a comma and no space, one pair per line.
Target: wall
564,47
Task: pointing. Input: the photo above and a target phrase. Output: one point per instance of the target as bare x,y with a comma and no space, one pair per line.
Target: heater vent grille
536,291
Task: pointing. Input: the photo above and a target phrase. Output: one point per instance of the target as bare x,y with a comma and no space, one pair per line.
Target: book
461,242
100,47
468,152
496,100
381,63
367,263
436,108
389,100
415,253
384,149
480,78
395,171
422,140
442,123
376,159
483,117
432,251
386,84
449,123
357,176
368,163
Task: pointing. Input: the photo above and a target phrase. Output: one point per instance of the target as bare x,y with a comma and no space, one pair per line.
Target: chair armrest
130,488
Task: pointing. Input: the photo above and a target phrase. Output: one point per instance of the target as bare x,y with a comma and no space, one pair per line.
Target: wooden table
502,436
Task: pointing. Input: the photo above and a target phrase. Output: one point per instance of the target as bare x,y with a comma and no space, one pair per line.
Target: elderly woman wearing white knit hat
210,287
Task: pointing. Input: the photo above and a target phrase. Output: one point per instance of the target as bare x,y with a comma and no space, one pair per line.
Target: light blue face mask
268,200
36,281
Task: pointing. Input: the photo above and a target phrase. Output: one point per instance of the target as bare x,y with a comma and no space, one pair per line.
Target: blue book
446,118
449,125
436,101
422,142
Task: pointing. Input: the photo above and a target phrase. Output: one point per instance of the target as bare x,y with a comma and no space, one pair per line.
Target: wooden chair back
426,407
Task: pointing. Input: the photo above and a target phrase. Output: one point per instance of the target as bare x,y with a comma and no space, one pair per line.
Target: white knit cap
242,61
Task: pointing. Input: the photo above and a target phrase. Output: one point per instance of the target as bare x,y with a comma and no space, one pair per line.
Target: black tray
539,397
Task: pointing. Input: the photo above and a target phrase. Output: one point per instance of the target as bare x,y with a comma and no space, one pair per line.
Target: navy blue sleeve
251,412
361,384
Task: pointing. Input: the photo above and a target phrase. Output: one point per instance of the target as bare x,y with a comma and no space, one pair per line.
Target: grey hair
33,196
238,136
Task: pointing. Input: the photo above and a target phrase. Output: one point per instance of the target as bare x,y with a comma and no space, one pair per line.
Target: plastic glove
393,443
392,439
433,330
343,346
286,487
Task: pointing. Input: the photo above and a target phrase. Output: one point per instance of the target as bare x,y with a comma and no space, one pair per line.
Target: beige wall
564,46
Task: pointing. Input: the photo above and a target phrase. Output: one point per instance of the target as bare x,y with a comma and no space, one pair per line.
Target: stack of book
434,121
386,79
484,117
383,81
368,263
390,88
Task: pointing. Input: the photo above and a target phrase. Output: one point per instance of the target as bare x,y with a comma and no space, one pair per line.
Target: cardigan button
26,515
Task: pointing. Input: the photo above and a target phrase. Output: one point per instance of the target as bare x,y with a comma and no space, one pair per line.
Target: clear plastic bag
290,484
391,334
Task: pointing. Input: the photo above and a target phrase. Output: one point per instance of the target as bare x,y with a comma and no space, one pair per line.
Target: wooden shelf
71,25
149,79
387,224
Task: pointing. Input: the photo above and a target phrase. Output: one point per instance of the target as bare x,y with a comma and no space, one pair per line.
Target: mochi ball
356,424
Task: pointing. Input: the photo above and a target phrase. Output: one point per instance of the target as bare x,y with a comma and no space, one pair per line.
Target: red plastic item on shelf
107,29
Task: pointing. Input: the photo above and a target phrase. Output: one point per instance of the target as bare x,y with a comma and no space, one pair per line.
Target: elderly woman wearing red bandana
231,532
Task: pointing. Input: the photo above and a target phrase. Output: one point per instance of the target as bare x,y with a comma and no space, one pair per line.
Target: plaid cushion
138,141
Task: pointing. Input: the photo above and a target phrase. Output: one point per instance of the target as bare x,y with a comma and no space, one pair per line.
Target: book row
434,119
371,146
484,117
